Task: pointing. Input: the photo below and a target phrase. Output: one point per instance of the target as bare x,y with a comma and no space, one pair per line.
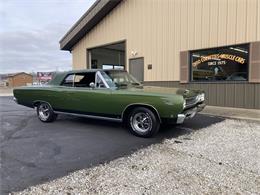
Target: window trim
73,83
63,81
218,81
100,76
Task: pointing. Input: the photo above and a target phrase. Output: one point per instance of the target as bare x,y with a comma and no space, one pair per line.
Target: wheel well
37,102
128,109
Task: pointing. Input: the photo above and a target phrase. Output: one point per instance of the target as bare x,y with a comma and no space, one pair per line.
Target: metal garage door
136,68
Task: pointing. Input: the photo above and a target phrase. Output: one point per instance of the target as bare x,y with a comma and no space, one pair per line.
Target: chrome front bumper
190,113
15,100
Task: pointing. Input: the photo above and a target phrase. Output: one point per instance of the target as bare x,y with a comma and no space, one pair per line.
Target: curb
232,117
6,95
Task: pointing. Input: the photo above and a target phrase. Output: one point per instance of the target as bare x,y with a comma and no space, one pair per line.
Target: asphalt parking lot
33,152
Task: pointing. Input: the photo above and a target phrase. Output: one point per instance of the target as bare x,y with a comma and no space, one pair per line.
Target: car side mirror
92,85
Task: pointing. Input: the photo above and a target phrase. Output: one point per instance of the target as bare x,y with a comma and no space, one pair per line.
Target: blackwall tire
143,122
45,112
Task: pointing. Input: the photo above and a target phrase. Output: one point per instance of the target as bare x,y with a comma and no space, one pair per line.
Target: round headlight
202,97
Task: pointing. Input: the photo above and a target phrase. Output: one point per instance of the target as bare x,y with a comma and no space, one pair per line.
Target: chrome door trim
90,116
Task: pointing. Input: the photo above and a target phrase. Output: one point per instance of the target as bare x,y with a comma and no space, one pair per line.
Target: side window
79,80
84,79
68,81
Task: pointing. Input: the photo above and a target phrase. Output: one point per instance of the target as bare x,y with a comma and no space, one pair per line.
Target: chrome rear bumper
190,113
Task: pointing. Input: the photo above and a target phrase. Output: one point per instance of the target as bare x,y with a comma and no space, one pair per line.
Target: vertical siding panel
221,94
180,23
222,22
213,23
241,21
156,67
205,88
235,96
171,42
249,96
258,20
183,35
257,96
226,97
212,94
142,13
231,21
205,23
160,39
156,57
230,94
149,39
144,24
177,31
240,95
155,47
184,25
191,26
197,25
251,20
168,41
164,38
138,24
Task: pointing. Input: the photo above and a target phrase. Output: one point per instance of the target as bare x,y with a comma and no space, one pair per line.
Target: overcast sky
30,31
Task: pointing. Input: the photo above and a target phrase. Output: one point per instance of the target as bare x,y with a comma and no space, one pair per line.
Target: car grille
191,101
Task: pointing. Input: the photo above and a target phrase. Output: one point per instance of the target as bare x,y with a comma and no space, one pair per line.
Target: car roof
59,76
94,70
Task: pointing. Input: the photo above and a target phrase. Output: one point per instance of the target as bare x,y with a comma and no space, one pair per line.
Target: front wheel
143,122
45,112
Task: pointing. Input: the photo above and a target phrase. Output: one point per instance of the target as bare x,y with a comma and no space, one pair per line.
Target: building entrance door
136,68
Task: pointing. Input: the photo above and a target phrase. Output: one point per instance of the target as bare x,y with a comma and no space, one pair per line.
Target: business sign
223,56
44,76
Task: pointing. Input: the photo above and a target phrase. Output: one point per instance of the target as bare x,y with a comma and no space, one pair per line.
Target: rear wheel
45,112
143,122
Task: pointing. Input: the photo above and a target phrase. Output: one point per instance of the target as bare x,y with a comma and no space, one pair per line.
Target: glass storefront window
220,64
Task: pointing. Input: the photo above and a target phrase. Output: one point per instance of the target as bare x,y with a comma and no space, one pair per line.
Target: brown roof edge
90,19
17,73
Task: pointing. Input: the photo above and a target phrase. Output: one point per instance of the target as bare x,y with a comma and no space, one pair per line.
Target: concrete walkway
236,113
4,91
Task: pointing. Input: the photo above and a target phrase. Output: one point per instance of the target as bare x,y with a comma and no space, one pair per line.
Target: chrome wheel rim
44,111
141,122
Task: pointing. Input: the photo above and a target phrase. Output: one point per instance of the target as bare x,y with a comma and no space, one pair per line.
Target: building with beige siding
212,45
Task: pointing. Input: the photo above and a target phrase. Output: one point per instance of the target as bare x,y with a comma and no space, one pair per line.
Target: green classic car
113,95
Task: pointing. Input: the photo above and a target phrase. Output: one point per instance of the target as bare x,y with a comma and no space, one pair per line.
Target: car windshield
123,79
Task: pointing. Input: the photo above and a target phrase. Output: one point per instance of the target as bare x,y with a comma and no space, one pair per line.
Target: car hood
166,91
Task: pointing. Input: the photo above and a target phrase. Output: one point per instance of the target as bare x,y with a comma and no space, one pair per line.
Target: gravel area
221,159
